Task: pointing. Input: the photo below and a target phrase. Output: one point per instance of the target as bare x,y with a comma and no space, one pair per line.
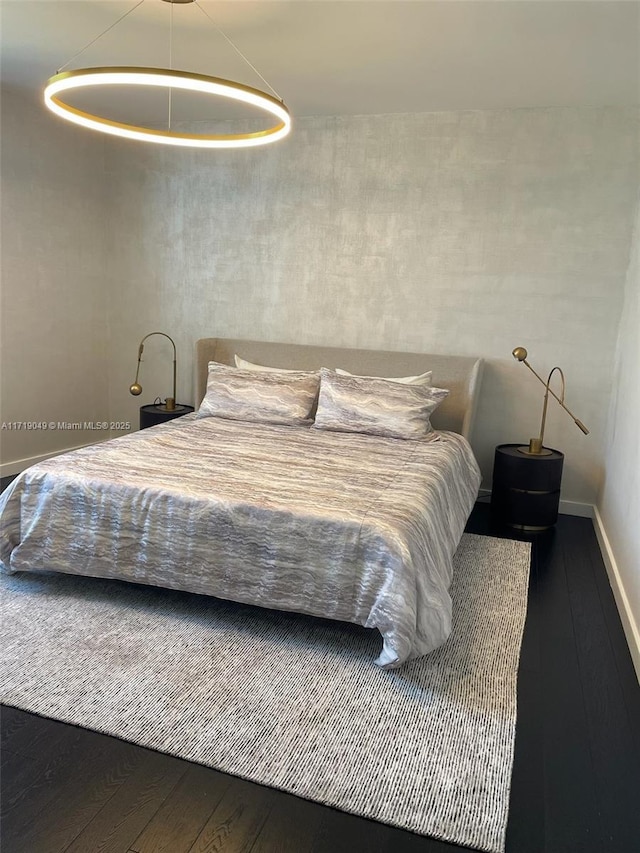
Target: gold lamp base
165,407
534,448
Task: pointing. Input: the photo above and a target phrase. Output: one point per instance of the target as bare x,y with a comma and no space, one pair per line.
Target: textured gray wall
465,232
619,501
53,346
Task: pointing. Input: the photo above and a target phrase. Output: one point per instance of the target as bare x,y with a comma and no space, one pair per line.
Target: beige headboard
461,374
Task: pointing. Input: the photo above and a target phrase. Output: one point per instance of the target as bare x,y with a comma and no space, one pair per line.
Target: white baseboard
576,508
631,630
19,465
629,625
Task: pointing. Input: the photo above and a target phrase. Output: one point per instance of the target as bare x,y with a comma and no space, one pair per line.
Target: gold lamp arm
536,444
136,388
535,447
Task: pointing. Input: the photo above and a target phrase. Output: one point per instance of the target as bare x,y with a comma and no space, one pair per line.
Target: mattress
351,527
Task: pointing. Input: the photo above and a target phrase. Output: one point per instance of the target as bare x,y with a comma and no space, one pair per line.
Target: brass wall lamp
136,388
535,447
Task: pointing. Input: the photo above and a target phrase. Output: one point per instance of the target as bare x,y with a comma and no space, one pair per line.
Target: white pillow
260,368
423,379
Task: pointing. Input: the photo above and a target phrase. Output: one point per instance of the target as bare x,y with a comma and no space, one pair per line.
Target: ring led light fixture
278,117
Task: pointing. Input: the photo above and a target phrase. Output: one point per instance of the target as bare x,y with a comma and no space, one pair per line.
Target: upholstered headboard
460,374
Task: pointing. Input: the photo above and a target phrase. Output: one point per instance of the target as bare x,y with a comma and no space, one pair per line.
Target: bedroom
428,218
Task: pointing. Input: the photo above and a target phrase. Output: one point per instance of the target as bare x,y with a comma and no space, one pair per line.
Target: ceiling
345,57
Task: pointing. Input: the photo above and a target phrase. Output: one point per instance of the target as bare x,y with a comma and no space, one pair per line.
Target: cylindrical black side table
526,488
158,413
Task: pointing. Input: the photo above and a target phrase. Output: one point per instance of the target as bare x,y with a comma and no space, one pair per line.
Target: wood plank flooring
576,778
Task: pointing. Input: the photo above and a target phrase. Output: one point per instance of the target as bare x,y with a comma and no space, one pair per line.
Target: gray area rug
286,700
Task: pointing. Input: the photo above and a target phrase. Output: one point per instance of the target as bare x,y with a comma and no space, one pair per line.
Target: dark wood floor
576,777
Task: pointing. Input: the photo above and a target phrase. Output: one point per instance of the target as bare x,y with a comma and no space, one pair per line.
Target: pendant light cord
170,63
238,51
206,14
93,41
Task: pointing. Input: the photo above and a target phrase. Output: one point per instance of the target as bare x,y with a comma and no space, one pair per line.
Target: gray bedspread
350,527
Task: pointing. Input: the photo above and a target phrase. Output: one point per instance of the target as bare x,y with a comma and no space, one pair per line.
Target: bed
349,526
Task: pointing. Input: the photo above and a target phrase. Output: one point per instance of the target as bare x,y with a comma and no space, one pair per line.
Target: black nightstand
526,489
157,414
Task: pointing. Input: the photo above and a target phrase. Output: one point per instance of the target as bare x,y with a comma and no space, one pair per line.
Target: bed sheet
349,527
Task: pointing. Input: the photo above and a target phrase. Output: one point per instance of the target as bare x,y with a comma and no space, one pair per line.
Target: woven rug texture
287,700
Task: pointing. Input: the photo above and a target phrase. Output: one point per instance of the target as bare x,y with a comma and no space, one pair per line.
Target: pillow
247,365
376,406
422,379
270,398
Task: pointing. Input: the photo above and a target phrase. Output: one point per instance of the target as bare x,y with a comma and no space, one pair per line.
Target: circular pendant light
160,77
170,79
